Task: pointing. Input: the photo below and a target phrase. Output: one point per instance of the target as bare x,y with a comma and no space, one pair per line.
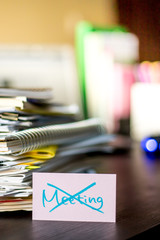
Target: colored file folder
83,29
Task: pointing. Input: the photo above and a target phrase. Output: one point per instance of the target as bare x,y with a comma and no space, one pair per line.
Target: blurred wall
50,21
143,19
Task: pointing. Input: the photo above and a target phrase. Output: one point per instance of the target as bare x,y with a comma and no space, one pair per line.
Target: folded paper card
74,197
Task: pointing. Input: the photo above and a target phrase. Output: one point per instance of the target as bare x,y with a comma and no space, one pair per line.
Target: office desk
138,205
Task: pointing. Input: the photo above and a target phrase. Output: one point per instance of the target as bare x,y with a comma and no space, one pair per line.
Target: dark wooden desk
138,205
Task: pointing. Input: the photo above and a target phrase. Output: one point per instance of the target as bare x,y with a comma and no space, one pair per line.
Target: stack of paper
15,191
25,149
25,108
22,109
47,149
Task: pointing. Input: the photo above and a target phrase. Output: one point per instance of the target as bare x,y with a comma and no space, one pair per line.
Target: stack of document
15,191
42,146
27,108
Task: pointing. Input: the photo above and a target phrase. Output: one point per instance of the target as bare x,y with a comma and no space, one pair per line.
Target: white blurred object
145,110
123,45
46,66
102,51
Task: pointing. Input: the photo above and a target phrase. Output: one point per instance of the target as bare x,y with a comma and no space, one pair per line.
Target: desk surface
138,204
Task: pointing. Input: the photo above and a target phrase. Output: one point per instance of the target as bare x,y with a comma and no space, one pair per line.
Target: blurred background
102,55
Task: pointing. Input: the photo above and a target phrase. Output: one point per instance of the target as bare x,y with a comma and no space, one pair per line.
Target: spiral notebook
62,134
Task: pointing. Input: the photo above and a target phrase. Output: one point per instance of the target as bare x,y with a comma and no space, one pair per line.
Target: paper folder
82,30
42,153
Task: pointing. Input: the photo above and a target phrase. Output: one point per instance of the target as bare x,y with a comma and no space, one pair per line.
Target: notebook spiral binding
34,138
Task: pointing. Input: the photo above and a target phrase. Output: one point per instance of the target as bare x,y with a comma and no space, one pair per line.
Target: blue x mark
74,197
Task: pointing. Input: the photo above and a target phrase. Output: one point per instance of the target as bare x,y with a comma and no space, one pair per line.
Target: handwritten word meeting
58,199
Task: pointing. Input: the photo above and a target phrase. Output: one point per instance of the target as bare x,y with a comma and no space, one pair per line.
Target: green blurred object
82,29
